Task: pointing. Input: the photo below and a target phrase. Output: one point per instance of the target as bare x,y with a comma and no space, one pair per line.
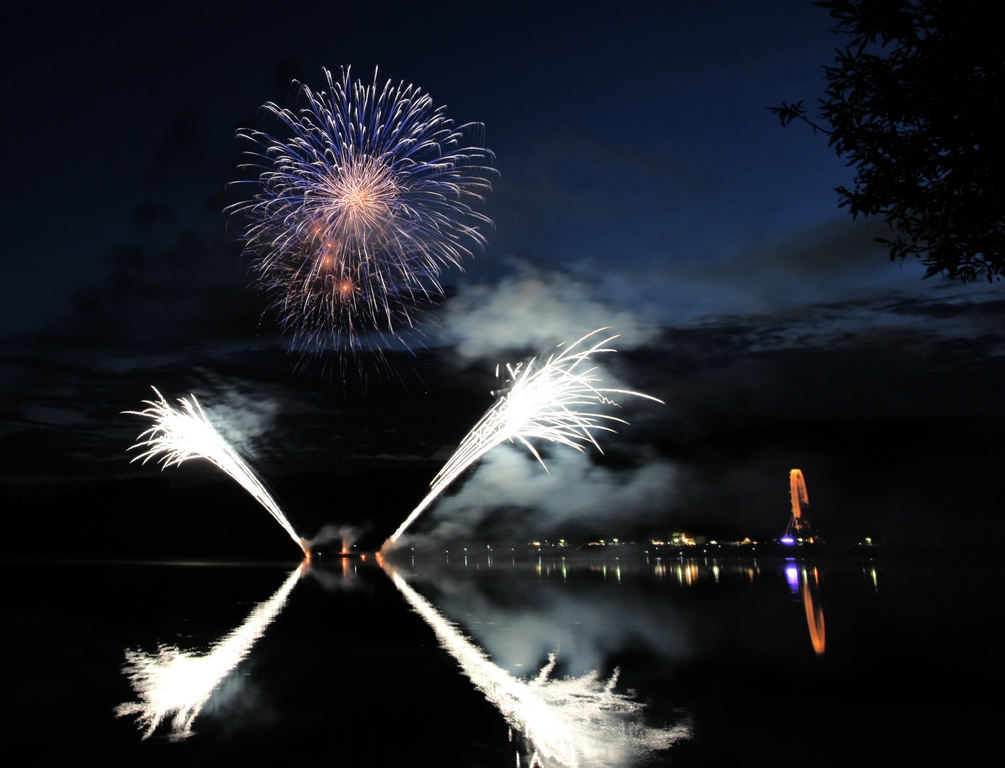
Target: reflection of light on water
792,577
577,721
687,574
814,610
174,682
873,578
806,582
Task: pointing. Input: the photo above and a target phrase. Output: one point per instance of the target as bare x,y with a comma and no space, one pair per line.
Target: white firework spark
176,684
178,435
549,401
576,721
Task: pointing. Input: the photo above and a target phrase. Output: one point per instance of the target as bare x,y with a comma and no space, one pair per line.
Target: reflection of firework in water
576,721
178,435
361,209
174,681
543,401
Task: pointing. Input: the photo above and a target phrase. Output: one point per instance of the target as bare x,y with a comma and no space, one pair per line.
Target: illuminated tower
799,528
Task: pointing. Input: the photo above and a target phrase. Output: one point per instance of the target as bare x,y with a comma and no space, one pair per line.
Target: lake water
652,661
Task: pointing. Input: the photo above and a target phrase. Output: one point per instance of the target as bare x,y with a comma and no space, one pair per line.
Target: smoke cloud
346,534
571,494
535,309
240,418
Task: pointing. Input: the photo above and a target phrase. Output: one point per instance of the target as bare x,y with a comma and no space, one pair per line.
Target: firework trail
173,681
360,211
178,435
543,401
571,722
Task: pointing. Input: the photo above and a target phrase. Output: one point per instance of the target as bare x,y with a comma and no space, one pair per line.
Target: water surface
757,662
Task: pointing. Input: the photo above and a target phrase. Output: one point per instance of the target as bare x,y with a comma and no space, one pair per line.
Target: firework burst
359,212
548,401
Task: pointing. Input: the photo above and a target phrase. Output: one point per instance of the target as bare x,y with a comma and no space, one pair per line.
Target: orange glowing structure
799,526
797,490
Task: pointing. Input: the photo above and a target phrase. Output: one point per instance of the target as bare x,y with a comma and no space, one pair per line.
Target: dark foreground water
719,662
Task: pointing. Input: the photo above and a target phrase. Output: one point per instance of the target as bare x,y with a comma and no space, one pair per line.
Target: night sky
642,185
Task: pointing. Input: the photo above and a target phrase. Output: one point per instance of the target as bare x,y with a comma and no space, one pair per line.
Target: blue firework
359,211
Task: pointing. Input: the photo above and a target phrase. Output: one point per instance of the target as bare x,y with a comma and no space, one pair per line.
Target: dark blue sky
639,136
643,184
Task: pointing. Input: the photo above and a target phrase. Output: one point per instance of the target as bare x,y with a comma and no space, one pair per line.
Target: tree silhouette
915,102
